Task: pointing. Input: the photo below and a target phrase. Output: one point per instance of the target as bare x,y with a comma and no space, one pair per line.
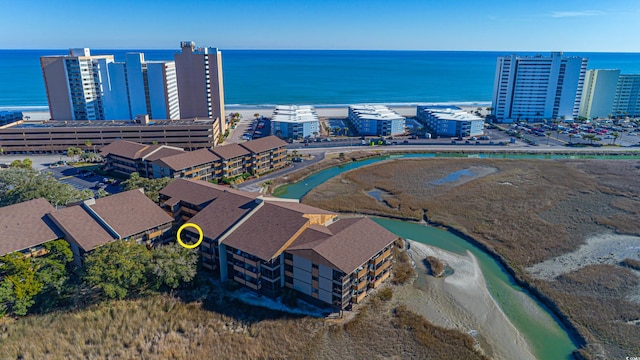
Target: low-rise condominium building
156,161
86,225
450,121
375,120
129,215
270,244
295,122
25,228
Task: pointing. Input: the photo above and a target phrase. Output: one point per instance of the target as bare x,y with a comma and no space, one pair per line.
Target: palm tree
315,134
616,135
548,134
346,130
571,136
591,138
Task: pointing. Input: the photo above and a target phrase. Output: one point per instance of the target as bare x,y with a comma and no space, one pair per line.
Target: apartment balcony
381,279
154,234
378,271
381,258
361,273
359,286
357,298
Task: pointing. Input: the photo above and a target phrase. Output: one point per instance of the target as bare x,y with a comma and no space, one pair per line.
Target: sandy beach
247,112
461,301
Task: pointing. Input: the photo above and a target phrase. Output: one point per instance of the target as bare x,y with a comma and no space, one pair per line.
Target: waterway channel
547,337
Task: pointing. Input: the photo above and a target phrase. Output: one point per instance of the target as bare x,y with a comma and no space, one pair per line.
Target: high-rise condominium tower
200,86
598,93
85,87
627,97
538,87
73,84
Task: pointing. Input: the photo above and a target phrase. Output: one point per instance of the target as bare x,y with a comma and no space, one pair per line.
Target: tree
118,268
19,184
88,144
548,134
101,193
615,135
23,164
571,136
591,138
151,186
19,283
72,152
346,131
172,266
256,115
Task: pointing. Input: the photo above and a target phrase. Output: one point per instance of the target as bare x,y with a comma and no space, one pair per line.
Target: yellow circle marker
190,246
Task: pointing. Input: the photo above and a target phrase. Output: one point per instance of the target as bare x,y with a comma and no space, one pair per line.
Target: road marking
65,177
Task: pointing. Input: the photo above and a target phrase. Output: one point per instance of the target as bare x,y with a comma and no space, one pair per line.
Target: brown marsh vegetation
525,211
164,327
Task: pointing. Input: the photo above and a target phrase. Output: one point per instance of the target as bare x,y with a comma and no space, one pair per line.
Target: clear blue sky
542,25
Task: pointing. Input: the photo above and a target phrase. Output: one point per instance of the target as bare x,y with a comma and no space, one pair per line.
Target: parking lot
83,180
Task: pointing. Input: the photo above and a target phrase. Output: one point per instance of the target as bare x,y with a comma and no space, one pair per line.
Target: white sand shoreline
462,301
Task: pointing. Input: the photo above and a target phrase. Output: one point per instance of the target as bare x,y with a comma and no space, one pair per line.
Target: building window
314,278
288,256
315,266
288,279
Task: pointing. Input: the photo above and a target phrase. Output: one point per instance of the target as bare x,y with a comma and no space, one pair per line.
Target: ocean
319,77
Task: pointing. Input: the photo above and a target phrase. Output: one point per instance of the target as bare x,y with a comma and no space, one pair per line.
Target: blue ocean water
265,77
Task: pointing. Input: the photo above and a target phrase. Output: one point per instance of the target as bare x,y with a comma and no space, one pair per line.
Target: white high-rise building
85,87
598,93
73,84
538,87
627,96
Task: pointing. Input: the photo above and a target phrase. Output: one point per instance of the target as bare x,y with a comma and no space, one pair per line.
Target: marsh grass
526,212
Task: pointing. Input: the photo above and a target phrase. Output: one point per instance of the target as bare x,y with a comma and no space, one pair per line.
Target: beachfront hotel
294,122
375,120
533,88
269,244
450,121
200,85
85,87
598,93
22,137
627,96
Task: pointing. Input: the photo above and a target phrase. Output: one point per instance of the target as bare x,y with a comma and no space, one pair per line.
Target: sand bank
461,301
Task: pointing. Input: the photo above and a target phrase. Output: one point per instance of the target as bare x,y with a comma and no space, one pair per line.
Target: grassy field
164,327
526,211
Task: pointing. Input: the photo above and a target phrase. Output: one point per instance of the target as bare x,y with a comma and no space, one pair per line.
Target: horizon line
319,49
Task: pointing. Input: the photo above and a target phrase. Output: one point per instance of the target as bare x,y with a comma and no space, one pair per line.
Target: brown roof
354,242
264,144
81,228
125,149
230,151
130,212
198,192
222,213
25,225
160,152
298,207
267,231
188,159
